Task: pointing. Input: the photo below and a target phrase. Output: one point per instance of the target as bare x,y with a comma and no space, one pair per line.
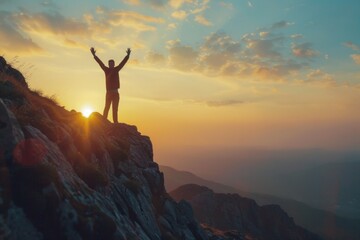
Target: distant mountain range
324,223
243,216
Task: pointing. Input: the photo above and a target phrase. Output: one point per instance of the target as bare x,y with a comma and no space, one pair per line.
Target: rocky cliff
63,176
240,216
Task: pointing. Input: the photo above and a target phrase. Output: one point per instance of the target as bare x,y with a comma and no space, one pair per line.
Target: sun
86,111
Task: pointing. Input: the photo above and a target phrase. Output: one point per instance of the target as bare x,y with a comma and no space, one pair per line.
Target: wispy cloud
195,8
227,5
352,46
281,24
356,58
131,19
202,20
50,23
318,76
18,27
177,3
132,2
304,50
180,14
221,103
12,40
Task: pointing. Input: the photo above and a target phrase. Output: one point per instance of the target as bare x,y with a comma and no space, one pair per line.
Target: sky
202,73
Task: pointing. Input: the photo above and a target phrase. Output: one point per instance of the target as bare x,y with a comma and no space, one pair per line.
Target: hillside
231,212
324,223
67,177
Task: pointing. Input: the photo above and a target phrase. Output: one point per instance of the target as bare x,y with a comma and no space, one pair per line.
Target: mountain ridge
304,215
231,212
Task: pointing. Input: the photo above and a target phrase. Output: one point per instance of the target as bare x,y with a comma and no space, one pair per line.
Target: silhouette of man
112,83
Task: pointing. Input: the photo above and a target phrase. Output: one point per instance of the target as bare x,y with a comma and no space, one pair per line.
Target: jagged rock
239,217
77,178
10,131
7,69
66,177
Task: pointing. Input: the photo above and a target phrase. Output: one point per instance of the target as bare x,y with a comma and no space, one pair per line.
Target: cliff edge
67,177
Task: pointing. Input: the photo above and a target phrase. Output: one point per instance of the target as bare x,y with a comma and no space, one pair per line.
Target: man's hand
92,50
128,51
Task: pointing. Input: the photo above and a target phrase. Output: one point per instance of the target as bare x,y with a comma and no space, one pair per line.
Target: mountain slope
232,212
319,221
66,177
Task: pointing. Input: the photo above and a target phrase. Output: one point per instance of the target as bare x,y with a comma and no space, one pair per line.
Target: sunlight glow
87,111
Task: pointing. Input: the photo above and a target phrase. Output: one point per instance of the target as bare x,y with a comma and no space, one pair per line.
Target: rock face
239,216
63,176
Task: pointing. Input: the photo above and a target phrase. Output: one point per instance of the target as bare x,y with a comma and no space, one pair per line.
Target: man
112,83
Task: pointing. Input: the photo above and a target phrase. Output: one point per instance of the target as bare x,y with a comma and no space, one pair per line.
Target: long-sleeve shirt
112,74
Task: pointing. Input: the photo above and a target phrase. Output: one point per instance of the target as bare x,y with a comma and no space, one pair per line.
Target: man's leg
115,106
107,104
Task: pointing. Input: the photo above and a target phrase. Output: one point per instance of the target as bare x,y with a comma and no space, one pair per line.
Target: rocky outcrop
9,71
239,216
63,176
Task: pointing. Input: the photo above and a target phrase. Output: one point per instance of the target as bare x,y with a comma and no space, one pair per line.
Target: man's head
111,63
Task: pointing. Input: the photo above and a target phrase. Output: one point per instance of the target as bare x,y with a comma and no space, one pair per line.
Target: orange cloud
53,23
320,77
180,14
202,20
303,50
132,2
12,40
133,20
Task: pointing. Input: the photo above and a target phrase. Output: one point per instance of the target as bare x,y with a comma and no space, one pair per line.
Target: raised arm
124,61
93,52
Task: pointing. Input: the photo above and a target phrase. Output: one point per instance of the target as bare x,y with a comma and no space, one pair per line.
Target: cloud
181,57
74,44
264,34
180,14
303,50
318,76
259,56
221,55
132,2
202,20
250,4
155,58
132,20
172,26
12,40
356,58
296,36
50,23
281,24
20,26
229,6
352,46
177,3
221,103
263,48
